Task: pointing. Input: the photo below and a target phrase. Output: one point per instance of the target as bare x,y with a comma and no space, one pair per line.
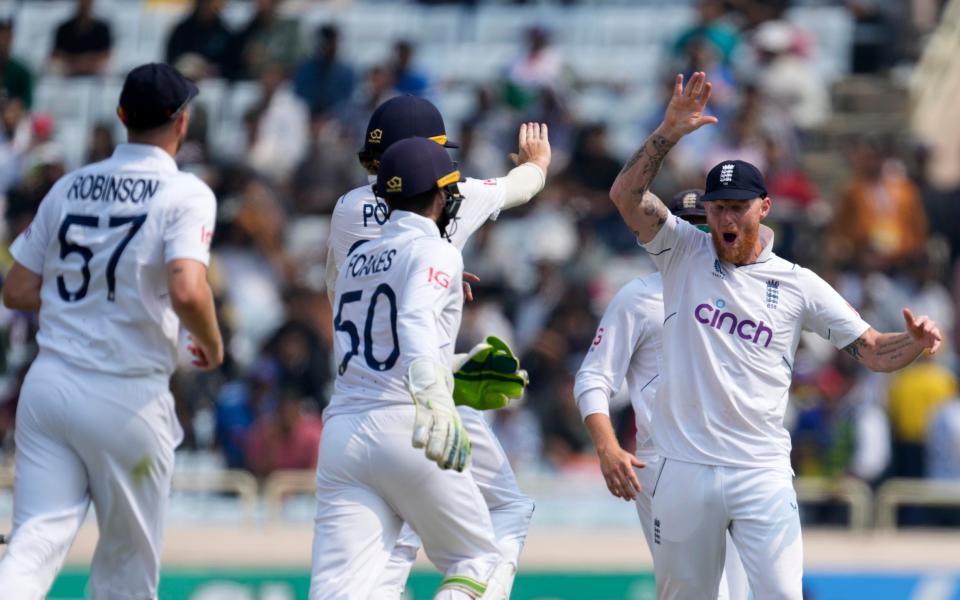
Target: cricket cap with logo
734,180
688,203
399,118
152,95
412,167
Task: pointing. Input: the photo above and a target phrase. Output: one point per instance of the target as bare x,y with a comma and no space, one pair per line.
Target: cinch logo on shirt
721,320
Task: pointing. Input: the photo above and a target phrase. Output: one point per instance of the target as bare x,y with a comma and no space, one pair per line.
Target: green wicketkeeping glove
488,376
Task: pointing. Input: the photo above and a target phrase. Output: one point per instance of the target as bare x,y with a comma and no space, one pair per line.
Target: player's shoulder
357,195
186,187
640,291
435,249
472,183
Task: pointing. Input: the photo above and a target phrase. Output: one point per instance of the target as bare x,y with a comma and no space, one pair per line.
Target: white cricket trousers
369,481
82,436
733,582
695,505
510,509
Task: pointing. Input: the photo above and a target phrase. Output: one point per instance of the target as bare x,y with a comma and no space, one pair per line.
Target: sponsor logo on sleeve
438,277
206,235
598,339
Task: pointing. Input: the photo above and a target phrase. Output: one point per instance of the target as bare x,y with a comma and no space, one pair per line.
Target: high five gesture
642,211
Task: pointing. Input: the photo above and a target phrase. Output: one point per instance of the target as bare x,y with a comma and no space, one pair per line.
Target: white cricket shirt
359,215
101,240
626,347
399,298
729,338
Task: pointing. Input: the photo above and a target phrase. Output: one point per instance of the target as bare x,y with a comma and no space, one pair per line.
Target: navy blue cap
399,118
688,203
152,95
734,180
412,167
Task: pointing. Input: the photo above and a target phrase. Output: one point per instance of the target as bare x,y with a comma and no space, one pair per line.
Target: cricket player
360,214
733,316
627,348
398,306
115,260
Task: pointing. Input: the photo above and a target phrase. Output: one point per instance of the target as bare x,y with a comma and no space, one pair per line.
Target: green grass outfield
246,584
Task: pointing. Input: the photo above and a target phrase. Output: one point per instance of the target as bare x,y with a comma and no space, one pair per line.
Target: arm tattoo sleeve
855,349
654,149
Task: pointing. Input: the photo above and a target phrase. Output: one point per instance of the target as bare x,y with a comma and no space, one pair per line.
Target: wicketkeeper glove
437,425
488,376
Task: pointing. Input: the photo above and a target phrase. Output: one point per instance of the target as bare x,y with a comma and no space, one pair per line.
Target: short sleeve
605,365
482,201
189,226
433,282
30,247
827,314
672,242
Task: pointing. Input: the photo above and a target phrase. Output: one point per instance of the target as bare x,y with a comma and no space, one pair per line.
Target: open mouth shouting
729,238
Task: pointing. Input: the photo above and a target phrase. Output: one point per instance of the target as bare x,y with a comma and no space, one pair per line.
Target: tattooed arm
886,352
642,211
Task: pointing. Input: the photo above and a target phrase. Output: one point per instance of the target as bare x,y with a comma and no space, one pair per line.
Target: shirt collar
371,179
403,220
766,238
146,152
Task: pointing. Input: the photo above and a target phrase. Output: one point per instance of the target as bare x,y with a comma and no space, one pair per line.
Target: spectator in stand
407,79
915,395
540,67
17,79
591,168
824,436
101,143
324,81
268,39
302,361
286,439
329,166
880,219
15,140
202,35
713,27
788,79
82,43
943,442
281,128
239,404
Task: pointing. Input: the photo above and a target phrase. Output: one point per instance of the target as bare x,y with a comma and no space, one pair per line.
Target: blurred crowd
880,232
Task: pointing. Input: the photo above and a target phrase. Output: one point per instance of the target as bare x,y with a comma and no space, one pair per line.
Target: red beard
740,251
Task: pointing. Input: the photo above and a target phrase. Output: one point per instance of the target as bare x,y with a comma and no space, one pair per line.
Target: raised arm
525,181
885,352
643,212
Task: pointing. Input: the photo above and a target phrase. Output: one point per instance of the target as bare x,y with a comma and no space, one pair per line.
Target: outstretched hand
685,112
533,145
923,330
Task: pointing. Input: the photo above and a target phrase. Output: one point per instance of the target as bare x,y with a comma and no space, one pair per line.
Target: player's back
379,309
359,215
101,240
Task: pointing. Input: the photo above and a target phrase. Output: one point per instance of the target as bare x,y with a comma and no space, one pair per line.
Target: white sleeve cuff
523,183
593,401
